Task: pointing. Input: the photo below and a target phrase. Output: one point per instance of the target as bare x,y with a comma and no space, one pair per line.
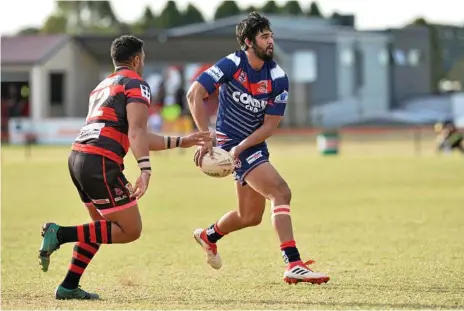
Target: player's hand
198,139
141,185
235,152
202,151
130,188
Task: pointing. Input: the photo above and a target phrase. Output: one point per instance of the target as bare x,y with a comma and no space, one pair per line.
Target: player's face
264,45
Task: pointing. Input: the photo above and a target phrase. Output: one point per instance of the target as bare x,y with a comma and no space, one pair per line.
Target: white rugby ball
220,165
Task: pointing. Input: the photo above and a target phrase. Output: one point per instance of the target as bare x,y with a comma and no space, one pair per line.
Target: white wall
372,98
86,76
81,76
375,92
39,103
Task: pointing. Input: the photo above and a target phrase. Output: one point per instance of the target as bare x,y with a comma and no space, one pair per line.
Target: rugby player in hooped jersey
116,121
252,98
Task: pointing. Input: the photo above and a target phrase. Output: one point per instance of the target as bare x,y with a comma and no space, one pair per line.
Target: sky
370,14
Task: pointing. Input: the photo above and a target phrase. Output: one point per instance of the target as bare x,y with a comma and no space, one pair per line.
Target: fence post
417,141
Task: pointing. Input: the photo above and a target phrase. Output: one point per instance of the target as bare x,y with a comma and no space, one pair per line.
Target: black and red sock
82,255
94,232
290,252
213,233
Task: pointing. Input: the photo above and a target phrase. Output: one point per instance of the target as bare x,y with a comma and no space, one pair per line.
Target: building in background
410,64
450,40
338,75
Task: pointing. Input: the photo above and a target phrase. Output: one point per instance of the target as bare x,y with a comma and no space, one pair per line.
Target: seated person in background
449,137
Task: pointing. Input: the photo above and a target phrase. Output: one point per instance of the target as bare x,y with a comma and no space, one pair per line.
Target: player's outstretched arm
159,142
195,97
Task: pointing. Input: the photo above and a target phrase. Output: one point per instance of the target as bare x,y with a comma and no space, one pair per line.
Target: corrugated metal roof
28,50
284,27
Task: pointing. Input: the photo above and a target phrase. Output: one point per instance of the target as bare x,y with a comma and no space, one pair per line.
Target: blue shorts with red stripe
248,160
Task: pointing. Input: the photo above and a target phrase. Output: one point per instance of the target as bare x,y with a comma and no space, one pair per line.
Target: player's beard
263,54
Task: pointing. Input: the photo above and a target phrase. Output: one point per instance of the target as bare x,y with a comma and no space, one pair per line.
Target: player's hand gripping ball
221,164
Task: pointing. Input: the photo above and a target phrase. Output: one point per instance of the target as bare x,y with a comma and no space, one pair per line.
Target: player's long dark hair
250,27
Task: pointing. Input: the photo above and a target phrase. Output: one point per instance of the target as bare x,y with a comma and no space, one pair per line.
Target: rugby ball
220,165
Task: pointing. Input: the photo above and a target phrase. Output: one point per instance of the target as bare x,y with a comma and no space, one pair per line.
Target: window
305,66
56,88
347,57
359,69
414,57
400,57
383,57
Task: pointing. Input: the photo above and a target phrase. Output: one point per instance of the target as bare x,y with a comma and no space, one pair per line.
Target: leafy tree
55,24
270,8
314,10
170,16
226,9
29,31
249,9
192,15
146,22
292,7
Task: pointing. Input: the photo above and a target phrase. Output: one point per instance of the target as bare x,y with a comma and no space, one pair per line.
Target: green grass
387,226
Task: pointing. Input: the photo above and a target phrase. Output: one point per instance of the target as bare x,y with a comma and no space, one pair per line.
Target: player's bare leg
266,180
83,253
121,226
251,206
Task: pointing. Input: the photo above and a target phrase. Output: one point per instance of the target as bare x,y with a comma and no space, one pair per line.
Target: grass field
386,225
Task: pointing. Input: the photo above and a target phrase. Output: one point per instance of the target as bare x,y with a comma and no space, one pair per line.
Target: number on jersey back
96,100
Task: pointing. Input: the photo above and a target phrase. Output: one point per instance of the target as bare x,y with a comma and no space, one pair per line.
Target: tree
72,12
101,14
55,24
146,22
149,19
77,17
314,10
88,16
29,31
420,21
226,9
270,8
250,9
101,18
292,8
192,15
170,16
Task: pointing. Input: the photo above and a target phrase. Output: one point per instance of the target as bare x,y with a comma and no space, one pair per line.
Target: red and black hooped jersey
106,128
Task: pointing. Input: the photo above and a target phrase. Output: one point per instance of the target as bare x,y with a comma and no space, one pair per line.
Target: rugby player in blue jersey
252,99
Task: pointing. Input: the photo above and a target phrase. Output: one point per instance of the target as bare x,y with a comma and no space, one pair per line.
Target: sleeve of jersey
138,91
217,74
277,106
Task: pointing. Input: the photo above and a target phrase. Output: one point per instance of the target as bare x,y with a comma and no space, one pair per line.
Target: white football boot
211,254
299,272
